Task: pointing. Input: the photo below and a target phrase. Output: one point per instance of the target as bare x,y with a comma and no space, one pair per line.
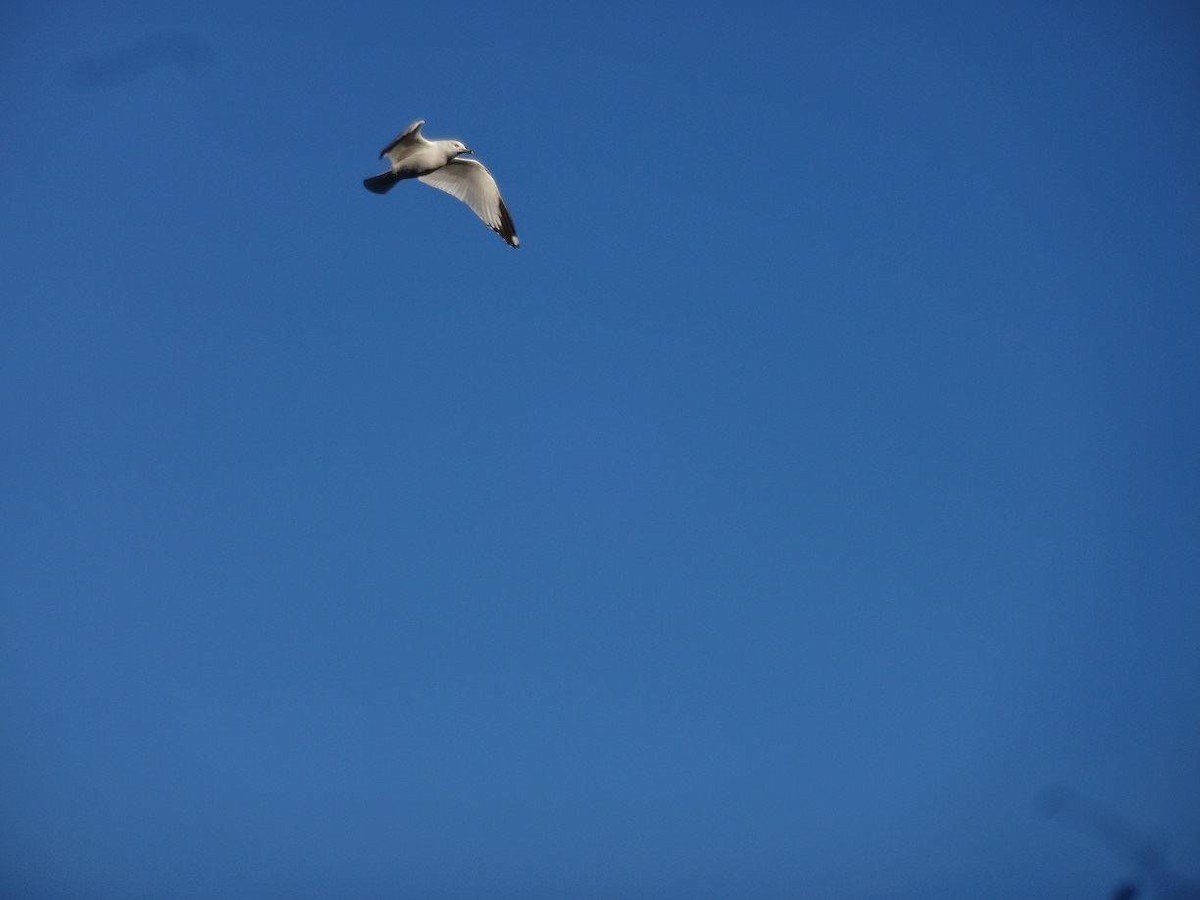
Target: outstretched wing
473,184
409,135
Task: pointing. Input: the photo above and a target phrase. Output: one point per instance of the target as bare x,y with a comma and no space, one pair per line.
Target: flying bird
437,164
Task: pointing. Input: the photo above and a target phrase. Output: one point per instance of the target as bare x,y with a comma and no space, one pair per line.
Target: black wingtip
507,229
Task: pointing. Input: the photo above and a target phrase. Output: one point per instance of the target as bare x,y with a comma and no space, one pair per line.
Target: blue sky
814,487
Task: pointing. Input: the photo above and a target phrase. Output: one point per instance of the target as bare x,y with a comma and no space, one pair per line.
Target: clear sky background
814,487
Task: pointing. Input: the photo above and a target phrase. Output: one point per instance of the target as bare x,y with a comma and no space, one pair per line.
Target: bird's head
459,147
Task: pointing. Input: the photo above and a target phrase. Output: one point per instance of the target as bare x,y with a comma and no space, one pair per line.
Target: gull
436,163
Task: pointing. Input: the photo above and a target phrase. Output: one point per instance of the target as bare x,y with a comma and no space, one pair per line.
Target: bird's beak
467,150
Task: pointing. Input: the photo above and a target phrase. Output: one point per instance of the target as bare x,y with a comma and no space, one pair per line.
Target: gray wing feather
473,184
409,135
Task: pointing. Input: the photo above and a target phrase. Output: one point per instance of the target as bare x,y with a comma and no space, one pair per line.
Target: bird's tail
381,183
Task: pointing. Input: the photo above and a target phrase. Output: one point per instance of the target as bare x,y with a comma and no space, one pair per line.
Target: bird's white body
413,155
